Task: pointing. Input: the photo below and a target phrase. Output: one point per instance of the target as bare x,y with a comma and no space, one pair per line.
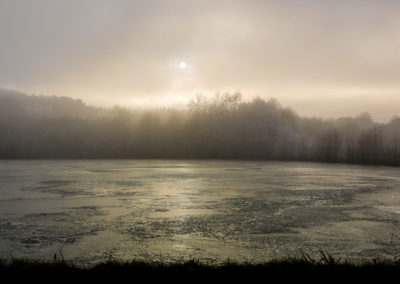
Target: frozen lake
206,210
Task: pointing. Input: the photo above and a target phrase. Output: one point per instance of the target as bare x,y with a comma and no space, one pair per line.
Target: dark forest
221,127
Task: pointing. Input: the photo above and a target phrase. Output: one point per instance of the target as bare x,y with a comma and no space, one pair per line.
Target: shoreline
289,268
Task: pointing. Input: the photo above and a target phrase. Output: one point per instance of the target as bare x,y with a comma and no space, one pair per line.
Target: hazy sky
325,58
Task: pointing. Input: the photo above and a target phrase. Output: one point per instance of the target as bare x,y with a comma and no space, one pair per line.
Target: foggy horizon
321,58
184,105
223,126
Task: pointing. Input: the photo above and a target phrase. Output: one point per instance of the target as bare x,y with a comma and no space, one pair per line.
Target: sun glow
182,65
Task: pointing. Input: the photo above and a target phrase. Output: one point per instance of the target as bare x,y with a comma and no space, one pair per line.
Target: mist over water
207,210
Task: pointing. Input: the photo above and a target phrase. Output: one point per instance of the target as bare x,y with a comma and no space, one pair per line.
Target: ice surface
207,210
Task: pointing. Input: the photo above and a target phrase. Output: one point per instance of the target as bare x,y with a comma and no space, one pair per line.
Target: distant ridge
17,103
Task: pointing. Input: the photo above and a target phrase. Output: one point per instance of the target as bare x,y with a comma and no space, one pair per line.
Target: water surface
206,210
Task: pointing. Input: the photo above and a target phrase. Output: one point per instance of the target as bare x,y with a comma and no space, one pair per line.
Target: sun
182,65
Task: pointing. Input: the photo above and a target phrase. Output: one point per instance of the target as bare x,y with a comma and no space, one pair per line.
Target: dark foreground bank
324,270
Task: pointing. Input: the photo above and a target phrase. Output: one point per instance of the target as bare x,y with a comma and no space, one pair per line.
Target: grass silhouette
323,269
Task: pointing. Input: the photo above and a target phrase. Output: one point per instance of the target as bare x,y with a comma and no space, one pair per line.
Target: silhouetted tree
329,146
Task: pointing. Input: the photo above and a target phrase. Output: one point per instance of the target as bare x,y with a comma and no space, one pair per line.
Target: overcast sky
324,58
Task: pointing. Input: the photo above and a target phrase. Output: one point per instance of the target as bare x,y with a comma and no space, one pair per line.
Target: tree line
221,127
